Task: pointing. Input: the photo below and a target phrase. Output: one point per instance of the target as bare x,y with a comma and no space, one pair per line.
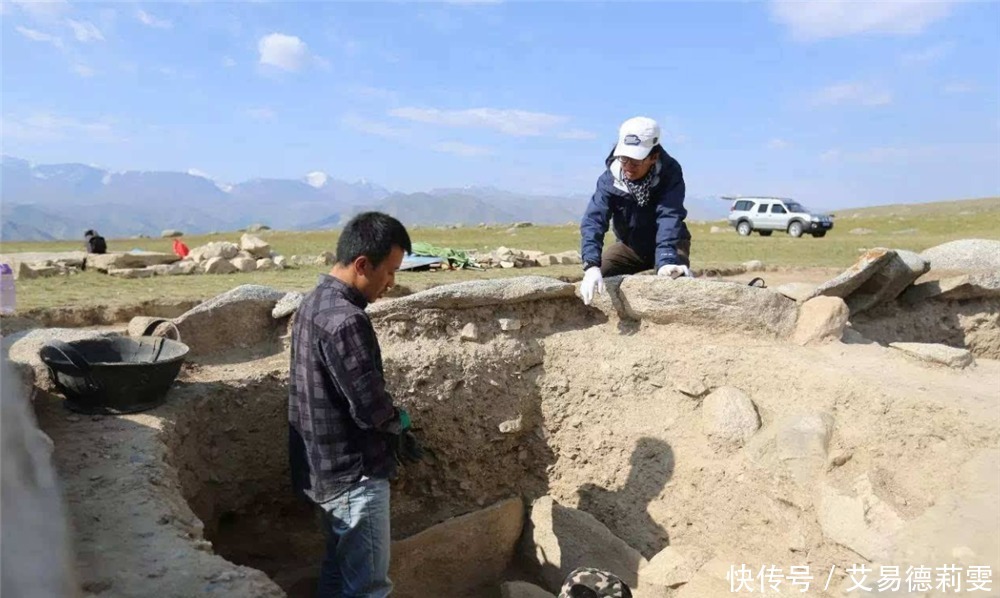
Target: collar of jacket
350,293
615,168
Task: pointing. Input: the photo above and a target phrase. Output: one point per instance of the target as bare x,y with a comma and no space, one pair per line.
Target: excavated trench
548,398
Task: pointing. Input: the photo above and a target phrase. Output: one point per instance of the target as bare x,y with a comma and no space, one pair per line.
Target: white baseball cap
637,137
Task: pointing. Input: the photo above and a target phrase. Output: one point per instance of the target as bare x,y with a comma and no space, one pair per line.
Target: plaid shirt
340,415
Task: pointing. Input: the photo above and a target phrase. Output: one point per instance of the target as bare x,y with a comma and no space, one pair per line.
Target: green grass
932,224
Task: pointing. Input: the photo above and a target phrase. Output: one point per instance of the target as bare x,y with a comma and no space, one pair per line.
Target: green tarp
455,258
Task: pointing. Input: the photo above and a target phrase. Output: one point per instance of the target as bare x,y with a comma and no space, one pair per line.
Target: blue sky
832,102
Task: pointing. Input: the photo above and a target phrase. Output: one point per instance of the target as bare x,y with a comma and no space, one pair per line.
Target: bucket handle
78,364
154,324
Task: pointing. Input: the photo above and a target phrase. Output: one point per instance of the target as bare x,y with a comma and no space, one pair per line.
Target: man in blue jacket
642,194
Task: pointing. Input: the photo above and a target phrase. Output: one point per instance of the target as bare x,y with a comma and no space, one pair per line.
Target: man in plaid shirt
344,431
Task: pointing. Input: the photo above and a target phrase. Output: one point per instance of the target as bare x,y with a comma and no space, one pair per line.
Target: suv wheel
744,228
795,229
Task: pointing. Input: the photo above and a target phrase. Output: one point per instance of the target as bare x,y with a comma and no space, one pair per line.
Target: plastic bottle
8,292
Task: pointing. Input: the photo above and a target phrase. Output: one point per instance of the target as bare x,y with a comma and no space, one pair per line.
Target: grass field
915,227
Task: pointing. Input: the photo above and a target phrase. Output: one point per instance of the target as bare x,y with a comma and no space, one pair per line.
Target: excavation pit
672,433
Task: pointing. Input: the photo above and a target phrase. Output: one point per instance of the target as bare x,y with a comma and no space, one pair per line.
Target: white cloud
855,93
373,127
577,134
38,36
928,55
151,21
461,149
198,173
85,31
825,19
228,62
41,127
47,10
519,123
262,113
83,70
285,52
777,144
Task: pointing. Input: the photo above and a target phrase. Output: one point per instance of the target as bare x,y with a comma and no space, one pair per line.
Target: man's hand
674,271
405,447
592,280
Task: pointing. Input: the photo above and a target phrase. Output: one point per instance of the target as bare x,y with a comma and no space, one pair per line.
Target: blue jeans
356,522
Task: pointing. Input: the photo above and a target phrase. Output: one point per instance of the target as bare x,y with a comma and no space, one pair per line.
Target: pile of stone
505,257
218,257
46,268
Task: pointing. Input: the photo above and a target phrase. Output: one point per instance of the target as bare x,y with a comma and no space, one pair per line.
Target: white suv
768,214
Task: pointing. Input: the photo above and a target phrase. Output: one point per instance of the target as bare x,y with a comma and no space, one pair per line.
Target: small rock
859,520
860,231
509,324
255,246
218,265
729,417
754,266
802,442
506,264
266,264
203,545
244,264
73,418
470,332
838,460
280,262
522,224
936,353
821,319
511,426
287,305
671,568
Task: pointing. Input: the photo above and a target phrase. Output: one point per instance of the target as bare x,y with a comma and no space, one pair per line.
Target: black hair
373,235
90,233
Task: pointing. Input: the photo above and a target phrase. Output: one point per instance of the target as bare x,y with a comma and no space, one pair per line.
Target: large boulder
239,318
218,265
821,319
888,281
266,265
851,279
728,417
797,291
436,561
132,272
982,285
966,255
559,539
475,293
109,261
287,305
37,547
255,246
221,249
720,306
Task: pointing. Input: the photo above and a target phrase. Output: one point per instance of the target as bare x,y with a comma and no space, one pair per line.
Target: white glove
674,271
592,279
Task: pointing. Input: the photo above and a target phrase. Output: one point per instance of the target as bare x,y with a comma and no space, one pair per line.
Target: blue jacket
652,230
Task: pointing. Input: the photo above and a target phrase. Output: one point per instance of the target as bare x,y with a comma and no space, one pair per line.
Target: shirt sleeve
349,355
670,215
594,226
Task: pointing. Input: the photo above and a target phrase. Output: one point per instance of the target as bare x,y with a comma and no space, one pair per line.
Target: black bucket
114,375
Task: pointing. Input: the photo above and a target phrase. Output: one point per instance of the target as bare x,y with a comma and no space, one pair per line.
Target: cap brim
636,152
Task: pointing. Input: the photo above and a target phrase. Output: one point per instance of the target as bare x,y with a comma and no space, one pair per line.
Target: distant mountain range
60,201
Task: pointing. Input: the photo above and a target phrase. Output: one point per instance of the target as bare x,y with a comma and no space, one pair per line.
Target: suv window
743,205
762,209
778,209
